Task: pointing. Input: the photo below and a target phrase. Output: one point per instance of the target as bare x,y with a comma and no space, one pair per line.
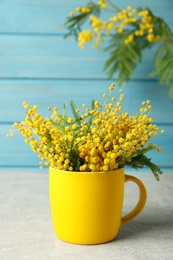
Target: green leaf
75,114
163,62
170,93
123,57
127,65
60,126
64,111
141,160
110,61
133,52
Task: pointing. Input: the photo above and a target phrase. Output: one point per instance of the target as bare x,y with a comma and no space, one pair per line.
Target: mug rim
87,173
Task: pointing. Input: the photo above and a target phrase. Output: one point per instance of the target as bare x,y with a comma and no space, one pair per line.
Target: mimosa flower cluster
119,22
100,138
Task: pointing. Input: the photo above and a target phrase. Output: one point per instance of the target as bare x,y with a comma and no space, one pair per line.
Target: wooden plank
49,16
53,93
14,152
47,57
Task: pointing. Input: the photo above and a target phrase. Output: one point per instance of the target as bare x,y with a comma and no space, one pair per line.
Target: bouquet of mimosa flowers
95,139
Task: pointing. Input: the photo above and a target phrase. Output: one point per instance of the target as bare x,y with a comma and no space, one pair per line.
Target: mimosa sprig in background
127,33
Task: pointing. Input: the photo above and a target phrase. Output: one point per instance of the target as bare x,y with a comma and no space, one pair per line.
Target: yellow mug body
86,207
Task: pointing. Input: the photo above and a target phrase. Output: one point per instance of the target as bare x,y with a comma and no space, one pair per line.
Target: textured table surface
26,231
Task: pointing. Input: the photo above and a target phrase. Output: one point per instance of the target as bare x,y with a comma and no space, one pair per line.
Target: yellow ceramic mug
87,207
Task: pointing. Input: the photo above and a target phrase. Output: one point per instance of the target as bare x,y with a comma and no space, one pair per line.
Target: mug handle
141,202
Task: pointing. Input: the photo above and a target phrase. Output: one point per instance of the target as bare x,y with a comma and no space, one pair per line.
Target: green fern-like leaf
75,113
141,161
163,62
123,59
59,125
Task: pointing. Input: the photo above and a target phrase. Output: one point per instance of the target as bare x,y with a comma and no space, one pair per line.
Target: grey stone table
26,231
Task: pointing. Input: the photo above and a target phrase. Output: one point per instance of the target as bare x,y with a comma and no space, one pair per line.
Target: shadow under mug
86,207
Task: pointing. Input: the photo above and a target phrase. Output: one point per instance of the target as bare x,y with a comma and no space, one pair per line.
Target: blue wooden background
39,66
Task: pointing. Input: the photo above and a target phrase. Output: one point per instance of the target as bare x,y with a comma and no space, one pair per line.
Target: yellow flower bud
121,140
69,120
106,161
105,168
104,95
26,106
150,127
129,8
74,126
78,9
